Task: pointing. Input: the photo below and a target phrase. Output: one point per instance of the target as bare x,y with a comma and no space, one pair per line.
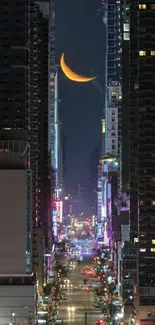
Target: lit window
142,249
153,53
153,250
142,6
126,27
142,53
153,241
153,203
153,179
152,6
4,150
126,36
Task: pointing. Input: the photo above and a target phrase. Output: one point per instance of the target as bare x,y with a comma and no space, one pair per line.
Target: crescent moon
71,74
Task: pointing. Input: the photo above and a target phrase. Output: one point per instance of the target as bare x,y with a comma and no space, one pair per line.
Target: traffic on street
82,290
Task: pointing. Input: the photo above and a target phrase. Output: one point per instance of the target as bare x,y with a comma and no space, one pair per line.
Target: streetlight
12,318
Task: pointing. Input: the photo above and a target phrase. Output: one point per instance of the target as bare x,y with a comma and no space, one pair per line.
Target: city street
83,301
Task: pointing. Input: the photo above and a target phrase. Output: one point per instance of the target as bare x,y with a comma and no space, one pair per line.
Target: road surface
82,301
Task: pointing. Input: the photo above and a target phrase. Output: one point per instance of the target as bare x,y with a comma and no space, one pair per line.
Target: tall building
23,98
125,33
44,166
113,74
56,152
111,136
142,152
93,176
54,129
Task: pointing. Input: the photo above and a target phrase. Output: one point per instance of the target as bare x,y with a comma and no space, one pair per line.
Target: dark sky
80,34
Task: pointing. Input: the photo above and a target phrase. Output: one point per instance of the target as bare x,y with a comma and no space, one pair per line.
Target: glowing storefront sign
61,210
106,239
99,233
55,230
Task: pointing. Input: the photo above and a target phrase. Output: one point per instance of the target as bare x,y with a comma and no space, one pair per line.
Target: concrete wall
12,221
19,300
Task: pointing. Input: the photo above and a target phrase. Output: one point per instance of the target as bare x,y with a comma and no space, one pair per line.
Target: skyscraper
54,143
111,150
125,32
22,99
44,166
142,152
55,150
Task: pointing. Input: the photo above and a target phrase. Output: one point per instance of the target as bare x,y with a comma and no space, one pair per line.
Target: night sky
80,34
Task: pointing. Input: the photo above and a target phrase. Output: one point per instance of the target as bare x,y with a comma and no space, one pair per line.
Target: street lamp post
13,317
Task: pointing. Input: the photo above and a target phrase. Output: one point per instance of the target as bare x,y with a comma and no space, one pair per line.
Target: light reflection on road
83,302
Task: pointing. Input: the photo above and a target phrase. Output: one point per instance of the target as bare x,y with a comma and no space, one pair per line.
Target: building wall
144,313
142,144
39,256
45,180
13,229
19,300
14,63
24,108
114,100
125,27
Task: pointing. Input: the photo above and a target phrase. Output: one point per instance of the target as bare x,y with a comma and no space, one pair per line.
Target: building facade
23,98
93,177
56,160
125,33
111,149
141,152
23,289
45,181
16,205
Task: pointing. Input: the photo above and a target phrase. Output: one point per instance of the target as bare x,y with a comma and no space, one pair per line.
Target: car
99,322
71,308
63,296
96,305
53,317
85,289
58,297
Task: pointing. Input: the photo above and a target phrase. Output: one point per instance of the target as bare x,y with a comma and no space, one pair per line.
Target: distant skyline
80,34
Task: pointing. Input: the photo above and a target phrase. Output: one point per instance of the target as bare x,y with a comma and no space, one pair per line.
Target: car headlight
69,308
73,308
